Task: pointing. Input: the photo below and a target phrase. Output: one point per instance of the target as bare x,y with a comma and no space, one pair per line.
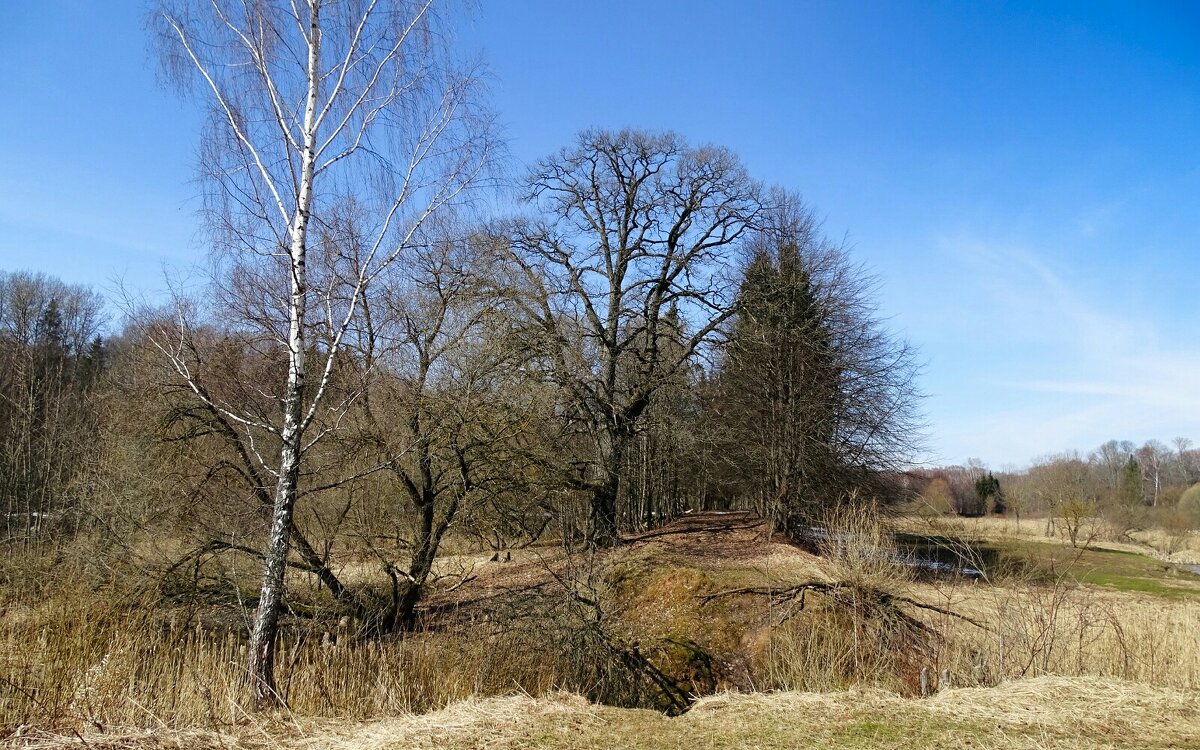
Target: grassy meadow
712,617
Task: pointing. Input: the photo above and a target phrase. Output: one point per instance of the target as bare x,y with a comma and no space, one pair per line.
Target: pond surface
931,556
940,557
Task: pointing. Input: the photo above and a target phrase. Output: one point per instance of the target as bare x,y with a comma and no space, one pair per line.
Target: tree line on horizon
1121,485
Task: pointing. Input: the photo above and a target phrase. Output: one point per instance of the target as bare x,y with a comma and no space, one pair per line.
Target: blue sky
1024,178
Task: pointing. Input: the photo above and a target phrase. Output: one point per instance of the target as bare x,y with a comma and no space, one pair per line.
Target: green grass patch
1121,570
1141,585
1047,562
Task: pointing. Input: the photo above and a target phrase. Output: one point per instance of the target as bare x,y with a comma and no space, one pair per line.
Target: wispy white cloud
1070,368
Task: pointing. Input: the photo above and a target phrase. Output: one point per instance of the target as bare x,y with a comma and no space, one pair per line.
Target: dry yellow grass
82,662
1038,714
1183,549
1068,630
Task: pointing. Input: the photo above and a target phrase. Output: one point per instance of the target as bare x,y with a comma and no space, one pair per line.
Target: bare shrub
863,629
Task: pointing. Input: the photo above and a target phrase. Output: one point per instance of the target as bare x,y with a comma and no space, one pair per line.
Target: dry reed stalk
164,665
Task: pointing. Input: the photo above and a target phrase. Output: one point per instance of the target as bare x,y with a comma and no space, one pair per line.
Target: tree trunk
604,515
270,602
418,571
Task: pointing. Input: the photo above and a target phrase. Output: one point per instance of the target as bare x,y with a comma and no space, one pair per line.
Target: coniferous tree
780,387
1129,484
987,491
814,401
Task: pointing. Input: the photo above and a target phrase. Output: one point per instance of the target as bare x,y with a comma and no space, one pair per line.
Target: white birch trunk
283,123
270,603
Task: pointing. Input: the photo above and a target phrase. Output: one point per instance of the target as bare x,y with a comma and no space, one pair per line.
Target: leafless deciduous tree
317,109
1154,457
50,358
434,411
1111,458
631,229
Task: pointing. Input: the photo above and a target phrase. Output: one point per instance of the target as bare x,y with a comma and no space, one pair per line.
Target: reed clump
975,631
106,654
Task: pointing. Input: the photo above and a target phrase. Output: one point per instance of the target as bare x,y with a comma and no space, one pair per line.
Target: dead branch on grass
839,592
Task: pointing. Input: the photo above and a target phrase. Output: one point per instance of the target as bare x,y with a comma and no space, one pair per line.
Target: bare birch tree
317,108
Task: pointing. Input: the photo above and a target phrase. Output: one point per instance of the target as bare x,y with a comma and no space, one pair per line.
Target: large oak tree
630,232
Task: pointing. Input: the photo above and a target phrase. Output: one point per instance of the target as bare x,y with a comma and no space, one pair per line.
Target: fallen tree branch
834,589
780,594
943,611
